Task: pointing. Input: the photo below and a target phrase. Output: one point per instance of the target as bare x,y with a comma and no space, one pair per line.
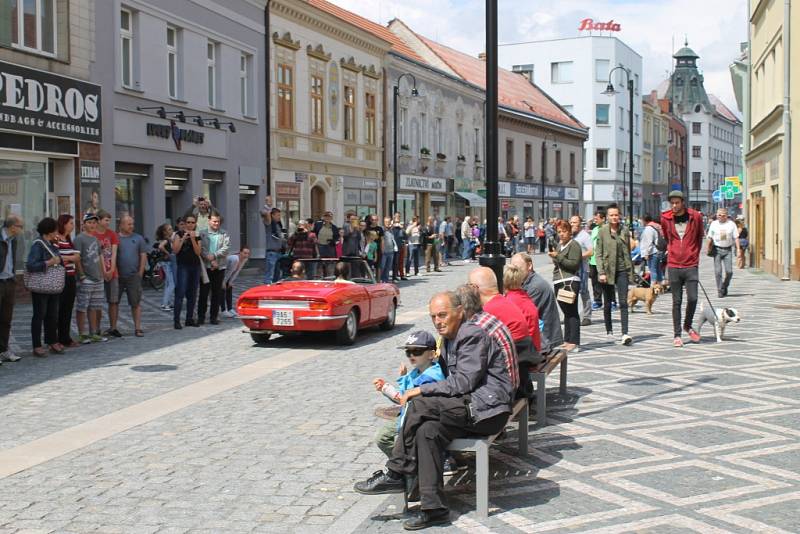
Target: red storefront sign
591,25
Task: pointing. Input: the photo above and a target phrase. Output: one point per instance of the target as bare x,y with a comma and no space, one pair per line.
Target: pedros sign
41,102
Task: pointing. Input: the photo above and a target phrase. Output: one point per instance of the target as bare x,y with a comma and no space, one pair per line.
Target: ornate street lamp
611,91
396,96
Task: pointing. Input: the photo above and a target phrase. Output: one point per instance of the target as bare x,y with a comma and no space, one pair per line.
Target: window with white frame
602,158
172,62
601,114
31,24
211,55
601,69
561,72
403,134
245,97
126,47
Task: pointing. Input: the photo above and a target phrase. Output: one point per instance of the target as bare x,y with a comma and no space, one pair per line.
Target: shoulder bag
50,281
565,295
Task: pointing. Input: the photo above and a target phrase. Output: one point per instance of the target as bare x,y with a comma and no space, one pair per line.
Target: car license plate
283,318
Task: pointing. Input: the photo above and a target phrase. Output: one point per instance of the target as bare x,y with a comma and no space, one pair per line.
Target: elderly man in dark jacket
474,399
541,293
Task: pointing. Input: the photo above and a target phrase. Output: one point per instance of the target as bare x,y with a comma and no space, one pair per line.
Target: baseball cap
90,216
419,339
675,194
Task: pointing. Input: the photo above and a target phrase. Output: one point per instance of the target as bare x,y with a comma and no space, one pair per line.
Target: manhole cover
788,306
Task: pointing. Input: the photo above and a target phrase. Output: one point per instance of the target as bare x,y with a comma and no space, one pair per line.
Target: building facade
663,154
575,72
328,106
540,143
51,116
185,112
714,134
772,211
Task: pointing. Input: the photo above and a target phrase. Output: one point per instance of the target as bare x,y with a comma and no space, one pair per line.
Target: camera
551,245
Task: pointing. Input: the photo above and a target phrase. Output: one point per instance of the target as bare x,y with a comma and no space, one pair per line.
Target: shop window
349,113
128,200
212,185
285,96
23,192
317,110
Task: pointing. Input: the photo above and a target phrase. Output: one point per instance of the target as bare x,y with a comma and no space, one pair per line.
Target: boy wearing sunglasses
420,347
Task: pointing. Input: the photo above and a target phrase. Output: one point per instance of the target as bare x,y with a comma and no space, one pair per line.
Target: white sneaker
9,356
626,340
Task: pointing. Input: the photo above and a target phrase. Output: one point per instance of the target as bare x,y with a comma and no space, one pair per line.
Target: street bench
480,446
539,375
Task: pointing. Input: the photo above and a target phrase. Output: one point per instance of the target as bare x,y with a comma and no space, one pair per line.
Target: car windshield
342,270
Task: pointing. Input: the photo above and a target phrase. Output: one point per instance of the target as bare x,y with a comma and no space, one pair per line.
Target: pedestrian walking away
652,245
615,270
683,231
723,243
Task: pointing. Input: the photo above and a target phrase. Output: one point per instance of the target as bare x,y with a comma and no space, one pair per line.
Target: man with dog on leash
723,236
683,230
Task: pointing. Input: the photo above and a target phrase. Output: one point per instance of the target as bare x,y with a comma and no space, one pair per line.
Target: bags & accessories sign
38,102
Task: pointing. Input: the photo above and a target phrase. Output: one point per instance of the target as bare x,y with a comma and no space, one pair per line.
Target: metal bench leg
523,431
562,389
541,401
482,479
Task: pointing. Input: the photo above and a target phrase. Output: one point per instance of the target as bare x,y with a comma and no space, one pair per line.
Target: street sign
717,196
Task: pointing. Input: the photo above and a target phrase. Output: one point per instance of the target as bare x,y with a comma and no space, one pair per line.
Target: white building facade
575,72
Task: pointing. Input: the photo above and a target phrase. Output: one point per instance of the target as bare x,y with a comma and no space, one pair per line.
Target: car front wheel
346,335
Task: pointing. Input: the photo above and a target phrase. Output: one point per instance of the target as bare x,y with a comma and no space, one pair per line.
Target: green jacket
606,252
567,262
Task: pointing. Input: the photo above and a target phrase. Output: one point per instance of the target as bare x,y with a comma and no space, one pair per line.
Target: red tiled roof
398,45
515,91
722,109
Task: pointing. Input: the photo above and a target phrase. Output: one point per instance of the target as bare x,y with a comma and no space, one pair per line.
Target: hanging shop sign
90,172
287,191
423,183
39,102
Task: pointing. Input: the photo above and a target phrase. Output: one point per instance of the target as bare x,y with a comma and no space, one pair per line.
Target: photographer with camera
186,245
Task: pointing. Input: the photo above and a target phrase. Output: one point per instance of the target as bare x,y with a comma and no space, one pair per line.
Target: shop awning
475,201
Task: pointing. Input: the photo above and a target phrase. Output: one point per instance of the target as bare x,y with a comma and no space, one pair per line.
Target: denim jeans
654,266
169,284
413,256
187,281
271,262
723,261
466,252
387,263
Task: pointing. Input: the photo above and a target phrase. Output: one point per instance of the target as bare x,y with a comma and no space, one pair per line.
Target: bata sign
591,25
38,102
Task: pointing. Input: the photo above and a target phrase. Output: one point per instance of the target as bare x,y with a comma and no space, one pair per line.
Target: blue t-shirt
415,379
128,251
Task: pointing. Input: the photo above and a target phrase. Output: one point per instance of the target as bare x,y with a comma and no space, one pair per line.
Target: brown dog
647,295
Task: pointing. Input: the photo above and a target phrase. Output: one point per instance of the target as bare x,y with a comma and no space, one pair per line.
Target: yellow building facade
769,206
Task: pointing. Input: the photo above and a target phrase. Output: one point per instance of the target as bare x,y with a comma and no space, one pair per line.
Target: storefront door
23,192
317,202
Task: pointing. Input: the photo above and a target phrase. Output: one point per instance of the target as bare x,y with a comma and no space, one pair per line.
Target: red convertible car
332,295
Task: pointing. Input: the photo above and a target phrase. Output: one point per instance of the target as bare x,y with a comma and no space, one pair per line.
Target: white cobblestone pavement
199,430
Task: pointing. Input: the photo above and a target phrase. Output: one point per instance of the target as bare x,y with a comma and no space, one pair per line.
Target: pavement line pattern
52,446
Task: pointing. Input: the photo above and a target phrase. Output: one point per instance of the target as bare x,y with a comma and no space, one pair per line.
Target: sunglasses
415,352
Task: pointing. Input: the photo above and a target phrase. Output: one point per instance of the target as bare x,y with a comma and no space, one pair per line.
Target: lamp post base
494,259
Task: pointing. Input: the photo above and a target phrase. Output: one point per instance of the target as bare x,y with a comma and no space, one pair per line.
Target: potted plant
462,158
441,157
425,151
404,148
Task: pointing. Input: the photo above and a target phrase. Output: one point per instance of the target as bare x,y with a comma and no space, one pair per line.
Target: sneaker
597,306
112,332
613,306
609,335
626,340
380,483
694,336
451,466
9,356
677,342
85,339
97,338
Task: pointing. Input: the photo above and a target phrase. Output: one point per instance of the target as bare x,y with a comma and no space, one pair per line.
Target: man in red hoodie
683,230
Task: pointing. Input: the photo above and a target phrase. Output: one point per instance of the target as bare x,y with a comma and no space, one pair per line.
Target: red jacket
683,253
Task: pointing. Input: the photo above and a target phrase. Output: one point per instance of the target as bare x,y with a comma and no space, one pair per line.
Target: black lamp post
610,91
396,95
492,256
545,168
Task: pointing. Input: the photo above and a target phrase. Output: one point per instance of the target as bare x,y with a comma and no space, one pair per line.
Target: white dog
718,320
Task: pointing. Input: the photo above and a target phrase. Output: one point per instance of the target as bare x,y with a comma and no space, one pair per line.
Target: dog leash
707,299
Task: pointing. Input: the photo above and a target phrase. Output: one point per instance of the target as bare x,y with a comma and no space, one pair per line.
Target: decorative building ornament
286,40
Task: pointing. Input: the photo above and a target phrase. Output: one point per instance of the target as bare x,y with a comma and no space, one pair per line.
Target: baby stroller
641,276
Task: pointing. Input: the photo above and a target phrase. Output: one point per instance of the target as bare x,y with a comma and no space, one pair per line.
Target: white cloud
714,27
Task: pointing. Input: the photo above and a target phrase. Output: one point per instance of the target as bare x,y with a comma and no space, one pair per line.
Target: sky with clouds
714,28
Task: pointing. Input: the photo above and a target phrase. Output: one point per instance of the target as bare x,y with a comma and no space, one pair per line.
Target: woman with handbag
44,278
567,259
614,270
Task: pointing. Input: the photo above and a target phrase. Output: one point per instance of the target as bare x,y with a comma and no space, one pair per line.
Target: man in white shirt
582,237
723,236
